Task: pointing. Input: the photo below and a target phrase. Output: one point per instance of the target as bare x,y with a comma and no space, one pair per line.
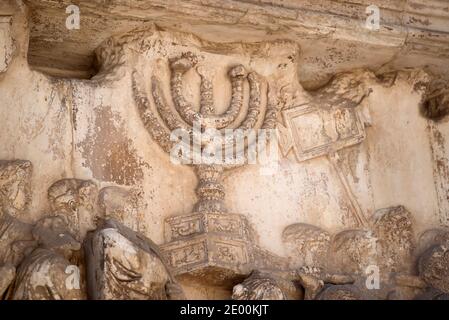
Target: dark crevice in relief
436,107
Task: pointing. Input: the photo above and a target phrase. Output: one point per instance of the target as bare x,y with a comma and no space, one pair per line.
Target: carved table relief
123,264
6,43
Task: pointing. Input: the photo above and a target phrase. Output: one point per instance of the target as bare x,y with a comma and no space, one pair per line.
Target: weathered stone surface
309,244
434,267
258,286
333,34
121,204
341,292
15,235
7,45
314,280
44,274
430,238
393,227
75,199
15,185
7,275
121,265
357,121
352,251
212,248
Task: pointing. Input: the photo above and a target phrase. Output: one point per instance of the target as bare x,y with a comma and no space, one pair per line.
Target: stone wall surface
363,141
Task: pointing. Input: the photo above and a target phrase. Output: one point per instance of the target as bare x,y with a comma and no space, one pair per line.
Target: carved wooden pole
356,209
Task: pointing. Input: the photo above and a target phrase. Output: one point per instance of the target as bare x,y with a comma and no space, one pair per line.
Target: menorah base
214,248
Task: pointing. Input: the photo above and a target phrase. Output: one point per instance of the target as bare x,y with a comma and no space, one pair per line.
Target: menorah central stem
210,191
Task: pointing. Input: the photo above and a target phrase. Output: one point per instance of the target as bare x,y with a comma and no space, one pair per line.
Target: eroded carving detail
7,47
15,236
121,204
75,199
434,267
353,251
309,244
123,264
393,228
341,292
43,274
210,237
215,248
258,286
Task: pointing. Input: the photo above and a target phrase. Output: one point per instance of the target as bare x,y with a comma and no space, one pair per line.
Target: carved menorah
160,119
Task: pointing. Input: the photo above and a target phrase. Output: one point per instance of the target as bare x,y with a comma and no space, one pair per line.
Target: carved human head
53,233
258,286
433,267
121,204
393,227
67,195
15,186
307,244
352,251
75,199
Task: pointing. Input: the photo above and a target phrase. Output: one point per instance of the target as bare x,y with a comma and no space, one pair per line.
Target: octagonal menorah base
214,248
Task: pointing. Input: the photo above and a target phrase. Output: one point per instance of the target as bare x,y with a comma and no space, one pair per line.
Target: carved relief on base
352,251
216,248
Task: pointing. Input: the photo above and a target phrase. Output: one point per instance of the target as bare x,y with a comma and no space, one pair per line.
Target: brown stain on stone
441,163
109,154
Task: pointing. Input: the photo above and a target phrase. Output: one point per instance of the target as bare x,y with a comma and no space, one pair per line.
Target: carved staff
356,209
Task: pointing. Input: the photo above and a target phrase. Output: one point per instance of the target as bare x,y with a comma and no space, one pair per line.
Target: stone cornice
412,33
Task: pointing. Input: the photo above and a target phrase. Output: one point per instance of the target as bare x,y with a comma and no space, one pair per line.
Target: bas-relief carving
75,199
42,275
308,244
409,268
258,286
7,275
433,267
211,242
125,265
7,44
38,260
212,245
387,242
121,204
329,120
15,235
217,247
393,228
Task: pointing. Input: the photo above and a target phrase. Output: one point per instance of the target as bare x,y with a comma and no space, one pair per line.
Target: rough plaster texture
91,129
